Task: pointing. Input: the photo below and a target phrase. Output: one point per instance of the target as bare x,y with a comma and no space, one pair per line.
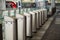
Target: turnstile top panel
44,9
26,14
31,12
8,18
35,11
19,16
13,17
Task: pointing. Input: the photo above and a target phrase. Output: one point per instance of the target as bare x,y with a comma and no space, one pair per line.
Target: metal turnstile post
37,21
28,24
45,11
40,18
33,22
9,28
43,17
21,27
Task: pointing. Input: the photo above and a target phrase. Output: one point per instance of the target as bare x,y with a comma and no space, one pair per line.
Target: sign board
19,4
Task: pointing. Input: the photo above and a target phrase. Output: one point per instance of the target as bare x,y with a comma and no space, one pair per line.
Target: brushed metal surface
33,22
37,21
40,18
21,27
45,13
28,24
9,28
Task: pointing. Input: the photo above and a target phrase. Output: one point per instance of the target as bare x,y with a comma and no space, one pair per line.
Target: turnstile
33,21
3,13
45,13
21,24
43,16
37,21
40,17
28,24
9,28
21,27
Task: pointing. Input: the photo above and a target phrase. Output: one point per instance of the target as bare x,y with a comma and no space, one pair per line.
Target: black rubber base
38,28
29,36
35,32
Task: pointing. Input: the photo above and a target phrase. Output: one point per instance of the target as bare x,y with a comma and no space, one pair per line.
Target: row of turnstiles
16,26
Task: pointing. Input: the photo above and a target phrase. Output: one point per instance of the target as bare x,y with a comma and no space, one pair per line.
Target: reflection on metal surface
33,22
21,27
28,24
9,28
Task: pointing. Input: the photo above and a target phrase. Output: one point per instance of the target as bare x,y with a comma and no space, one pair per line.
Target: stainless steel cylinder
45,12
40,18
37,21
9,28
43,16
28,24
21,27
33,21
